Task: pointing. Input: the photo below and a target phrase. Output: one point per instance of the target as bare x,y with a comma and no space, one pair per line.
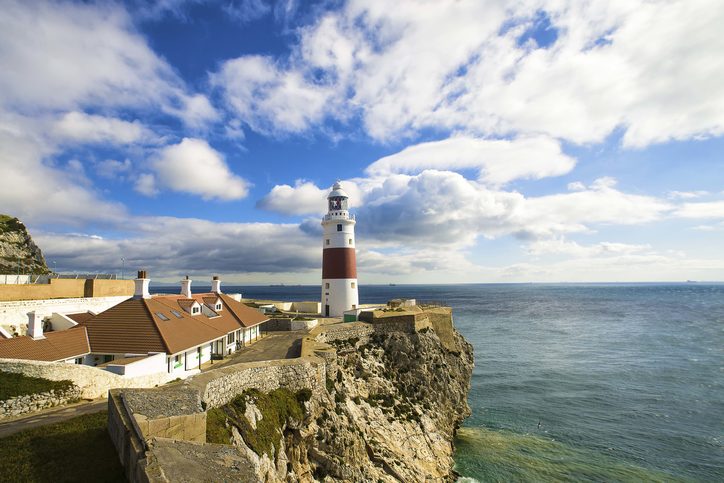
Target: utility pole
123,268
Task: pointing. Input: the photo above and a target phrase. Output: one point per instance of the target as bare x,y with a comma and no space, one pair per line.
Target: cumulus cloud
303,198
572,248
80,127
192,166
146,184
270,99
487,77
499,161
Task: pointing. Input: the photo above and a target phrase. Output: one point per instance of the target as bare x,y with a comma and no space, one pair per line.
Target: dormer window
218,306
195,310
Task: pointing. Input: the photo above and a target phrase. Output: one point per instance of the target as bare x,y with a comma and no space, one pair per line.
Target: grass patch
12,385
78,449
277,408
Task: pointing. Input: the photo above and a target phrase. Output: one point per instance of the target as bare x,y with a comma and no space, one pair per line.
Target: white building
339,265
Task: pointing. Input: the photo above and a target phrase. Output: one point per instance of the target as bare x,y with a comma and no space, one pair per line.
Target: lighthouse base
338,295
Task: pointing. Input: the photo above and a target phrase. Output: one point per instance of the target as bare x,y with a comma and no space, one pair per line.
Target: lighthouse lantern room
339,265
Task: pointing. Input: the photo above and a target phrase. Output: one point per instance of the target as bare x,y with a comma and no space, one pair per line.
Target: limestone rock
17,247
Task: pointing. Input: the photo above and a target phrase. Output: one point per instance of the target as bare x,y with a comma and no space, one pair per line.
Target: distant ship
393,285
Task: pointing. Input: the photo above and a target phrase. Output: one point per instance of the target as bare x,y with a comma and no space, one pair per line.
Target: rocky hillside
16,246
388,414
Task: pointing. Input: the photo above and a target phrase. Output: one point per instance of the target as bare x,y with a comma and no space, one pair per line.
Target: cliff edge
389,413
17,248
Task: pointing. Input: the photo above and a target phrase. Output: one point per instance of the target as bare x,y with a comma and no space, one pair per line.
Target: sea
581,382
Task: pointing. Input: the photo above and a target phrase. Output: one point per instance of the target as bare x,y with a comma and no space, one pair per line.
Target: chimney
186,287
35,325
216,284
141,283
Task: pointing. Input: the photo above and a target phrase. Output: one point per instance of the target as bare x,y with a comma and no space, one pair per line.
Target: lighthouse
339,265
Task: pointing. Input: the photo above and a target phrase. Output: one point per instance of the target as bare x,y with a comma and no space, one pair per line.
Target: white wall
15,312
61,322
342,296
307,307
149,365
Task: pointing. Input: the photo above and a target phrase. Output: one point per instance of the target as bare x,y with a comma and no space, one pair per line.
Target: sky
480,141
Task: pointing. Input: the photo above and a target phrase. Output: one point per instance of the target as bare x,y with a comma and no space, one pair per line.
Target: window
176,314
350,241
218,306
79,360
353,285
195,310
230,338
327,240
161,316
326,285
175,359
339,227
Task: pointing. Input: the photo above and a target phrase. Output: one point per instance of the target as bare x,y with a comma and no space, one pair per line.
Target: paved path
50,416
275,345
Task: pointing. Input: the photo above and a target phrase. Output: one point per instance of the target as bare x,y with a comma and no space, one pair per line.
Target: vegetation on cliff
272,413
18,252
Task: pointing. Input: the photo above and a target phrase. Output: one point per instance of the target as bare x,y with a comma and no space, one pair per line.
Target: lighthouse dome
337,191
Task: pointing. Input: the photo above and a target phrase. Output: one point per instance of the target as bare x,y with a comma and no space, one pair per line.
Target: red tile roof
56,346
139,326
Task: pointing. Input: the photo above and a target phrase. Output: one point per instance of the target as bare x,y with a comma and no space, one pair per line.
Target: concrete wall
57,288
35,402
92,381
15,313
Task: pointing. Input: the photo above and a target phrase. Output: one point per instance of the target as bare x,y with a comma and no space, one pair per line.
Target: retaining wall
35,402
92,382
220,386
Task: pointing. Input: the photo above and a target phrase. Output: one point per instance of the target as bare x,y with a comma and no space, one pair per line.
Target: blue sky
480,141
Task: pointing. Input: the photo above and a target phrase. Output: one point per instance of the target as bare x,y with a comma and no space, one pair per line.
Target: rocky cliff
17,247
388,413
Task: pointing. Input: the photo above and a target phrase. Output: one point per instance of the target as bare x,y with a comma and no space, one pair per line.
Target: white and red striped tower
339,265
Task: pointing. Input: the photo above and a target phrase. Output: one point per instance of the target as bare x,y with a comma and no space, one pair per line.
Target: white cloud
303,198
192,166
686,195
711,209
269,99
499,161
571,248
146,184
38,192
65,56
461,66
80,127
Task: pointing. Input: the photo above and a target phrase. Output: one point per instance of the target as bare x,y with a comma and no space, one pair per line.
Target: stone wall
15,313
220,386
35,402
92,381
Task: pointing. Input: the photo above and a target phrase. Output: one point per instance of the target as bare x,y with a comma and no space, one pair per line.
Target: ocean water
626,380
